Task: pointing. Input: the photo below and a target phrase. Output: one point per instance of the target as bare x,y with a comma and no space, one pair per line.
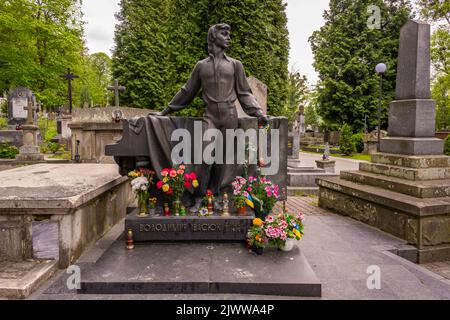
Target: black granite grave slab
200,268
187,228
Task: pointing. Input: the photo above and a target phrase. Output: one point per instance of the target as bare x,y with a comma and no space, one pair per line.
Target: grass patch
61,156
356,156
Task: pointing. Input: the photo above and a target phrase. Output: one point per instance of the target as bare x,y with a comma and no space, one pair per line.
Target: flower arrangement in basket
281,232
174,183
142,180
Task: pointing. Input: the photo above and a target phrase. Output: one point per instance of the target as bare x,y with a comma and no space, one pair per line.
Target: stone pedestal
405,190
327,165
29,152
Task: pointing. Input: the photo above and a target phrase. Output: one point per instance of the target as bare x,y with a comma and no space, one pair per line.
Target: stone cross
69,76
116,88
29,110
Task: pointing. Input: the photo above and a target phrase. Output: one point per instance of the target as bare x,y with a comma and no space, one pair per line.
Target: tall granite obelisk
412,114
405,189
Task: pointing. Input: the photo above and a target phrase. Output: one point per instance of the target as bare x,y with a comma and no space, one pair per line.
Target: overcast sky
304,16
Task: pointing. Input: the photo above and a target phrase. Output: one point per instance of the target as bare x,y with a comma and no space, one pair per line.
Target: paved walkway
341,251
308,160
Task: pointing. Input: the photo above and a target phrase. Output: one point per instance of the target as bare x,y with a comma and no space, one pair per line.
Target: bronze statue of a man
223,80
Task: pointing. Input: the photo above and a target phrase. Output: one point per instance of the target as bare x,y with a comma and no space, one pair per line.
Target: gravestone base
188,228
327,165
199,268
412,146
406,196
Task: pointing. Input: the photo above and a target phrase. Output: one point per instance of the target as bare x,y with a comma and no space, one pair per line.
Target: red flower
209,193
193,176
169,192
187,184
159,184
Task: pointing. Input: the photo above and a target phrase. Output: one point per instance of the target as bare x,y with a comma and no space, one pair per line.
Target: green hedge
8,151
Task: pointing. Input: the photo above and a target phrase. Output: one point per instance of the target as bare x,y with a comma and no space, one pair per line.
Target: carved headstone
412,115
18,102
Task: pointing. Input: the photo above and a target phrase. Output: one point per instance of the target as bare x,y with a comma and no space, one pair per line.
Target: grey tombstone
259,90
412,115
17,104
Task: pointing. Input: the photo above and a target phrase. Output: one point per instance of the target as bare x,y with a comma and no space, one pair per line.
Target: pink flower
269,194
173,173
269,219
249,189
179,171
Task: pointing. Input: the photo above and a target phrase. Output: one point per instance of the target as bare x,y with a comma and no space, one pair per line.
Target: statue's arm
245,95
186,94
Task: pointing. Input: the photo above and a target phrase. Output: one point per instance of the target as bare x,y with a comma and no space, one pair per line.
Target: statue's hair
212,33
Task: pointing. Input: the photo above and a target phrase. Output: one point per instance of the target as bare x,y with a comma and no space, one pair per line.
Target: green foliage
435,10
8,151
447,146
3,123
346,52
4,107
158,43
47,128
358,141
346,141
53,146
297,93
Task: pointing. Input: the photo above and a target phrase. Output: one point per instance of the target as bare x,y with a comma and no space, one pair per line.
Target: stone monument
405,190
29,152
17,104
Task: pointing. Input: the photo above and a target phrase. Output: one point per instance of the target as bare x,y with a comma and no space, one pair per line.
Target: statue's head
219,34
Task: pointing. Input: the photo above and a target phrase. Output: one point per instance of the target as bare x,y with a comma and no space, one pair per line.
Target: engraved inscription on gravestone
17,104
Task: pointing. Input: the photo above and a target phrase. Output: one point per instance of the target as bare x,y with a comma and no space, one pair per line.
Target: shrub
447,146
53,146
358,141
346,142
8,151
3,123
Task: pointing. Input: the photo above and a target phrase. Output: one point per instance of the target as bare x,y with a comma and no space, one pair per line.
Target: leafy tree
346,141
346,51
40,40
158,43
298,92
437,12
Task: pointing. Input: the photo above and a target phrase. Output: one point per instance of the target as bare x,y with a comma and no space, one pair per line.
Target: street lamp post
380,70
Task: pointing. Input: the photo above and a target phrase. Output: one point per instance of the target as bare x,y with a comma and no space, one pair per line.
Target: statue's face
223,39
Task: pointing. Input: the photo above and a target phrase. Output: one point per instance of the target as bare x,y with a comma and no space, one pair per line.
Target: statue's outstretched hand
263,121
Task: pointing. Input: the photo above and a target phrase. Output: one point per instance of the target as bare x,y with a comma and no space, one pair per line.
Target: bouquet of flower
256,236
141,182
175,181
240,191
295,225
264,194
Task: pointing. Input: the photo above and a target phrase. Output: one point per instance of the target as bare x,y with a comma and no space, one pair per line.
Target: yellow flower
195,183
165,180
165,188
257,222
297,233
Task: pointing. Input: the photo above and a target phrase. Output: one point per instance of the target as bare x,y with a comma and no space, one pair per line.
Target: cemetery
186,179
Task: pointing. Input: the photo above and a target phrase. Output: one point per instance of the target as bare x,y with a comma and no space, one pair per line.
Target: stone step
304,169
302,191
402,202
200,268
418,162
19,279
413,174
419,189
307,179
